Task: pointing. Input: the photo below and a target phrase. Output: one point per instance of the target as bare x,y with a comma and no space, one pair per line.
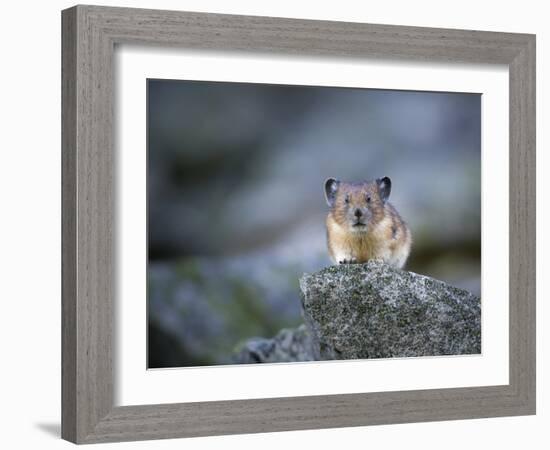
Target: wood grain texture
523,224
89,36
68,226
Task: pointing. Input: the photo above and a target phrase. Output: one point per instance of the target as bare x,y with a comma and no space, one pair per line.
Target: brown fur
384,236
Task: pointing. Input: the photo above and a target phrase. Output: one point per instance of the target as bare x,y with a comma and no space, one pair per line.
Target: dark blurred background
236,208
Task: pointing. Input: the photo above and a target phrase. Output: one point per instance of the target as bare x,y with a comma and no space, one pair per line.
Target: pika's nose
358,213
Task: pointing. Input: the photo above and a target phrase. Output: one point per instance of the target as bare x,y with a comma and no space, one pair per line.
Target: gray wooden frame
89,36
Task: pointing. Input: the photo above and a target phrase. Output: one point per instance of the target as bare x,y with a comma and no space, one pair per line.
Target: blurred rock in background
236,208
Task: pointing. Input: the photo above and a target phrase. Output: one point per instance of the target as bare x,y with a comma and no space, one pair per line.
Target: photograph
291,223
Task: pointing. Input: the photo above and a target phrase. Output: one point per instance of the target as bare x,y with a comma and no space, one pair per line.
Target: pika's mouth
359,225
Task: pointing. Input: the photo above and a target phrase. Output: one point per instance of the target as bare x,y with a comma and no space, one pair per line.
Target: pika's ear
384,186
331,188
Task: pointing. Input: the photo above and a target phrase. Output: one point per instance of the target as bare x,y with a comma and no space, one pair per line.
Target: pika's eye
368,198
346,199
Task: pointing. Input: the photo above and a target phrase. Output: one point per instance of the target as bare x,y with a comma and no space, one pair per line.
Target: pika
363,225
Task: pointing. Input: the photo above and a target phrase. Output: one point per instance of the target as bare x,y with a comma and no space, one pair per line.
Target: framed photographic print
278,224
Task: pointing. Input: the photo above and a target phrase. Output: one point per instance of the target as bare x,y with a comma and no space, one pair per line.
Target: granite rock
374,310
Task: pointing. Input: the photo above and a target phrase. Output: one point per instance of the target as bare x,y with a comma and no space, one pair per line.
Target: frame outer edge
532,220
68,225
523,225
88,209
96,210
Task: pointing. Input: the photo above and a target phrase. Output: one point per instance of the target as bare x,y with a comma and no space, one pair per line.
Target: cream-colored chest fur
380,242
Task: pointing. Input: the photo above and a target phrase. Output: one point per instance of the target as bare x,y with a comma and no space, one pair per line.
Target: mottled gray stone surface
289,345
373,310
